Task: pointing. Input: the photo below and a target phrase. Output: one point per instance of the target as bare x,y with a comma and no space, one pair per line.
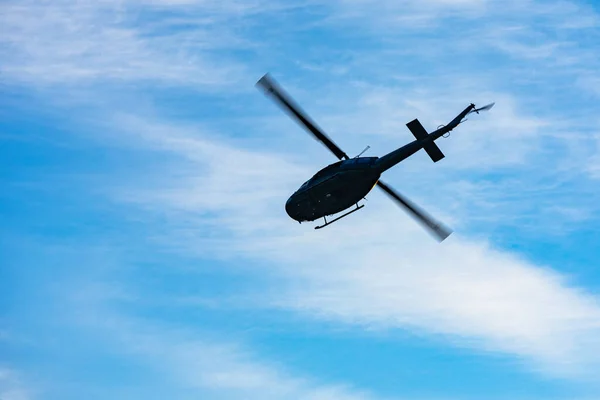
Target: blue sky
145,250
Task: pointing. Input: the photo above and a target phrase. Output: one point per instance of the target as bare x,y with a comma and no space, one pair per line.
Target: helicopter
343,184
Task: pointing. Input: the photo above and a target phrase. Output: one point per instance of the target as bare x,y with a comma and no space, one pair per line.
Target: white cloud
196,364
503,137
593,163
539,39
402,15
377,268
86,41
228,371
11,386
480,297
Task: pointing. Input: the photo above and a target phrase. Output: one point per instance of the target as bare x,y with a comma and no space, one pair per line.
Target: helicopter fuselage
343,184
333,189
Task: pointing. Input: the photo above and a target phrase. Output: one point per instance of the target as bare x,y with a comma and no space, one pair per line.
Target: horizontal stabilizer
420,133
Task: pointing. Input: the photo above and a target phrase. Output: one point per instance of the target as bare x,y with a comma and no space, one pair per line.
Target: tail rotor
484,108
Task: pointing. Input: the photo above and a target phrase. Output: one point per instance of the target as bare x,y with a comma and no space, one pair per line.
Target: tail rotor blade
436,228
484,108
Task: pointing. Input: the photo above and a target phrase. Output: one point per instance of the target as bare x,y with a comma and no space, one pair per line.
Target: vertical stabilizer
420,133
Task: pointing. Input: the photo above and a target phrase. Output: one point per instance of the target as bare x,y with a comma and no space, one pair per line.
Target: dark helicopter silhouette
344,183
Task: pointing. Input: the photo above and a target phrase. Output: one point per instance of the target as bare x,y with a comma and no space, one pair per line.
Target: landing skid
340,217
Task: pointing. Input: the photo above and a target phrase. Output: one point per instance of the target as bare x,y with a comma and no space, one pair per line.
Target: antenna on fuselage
361,153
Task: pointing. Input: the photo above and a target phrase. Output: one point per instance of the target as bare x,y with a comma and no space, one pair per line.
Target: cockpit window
326,170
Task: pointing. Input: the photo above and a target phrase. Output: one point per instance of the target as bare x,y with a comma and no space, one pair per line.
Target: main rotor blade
272,88
440,231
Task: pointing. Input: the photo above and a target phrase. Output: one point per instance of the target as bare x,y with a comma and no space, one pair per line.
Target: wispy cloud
593,166
122,41
220,196
391,275
196,362
528,42
11,385
407,14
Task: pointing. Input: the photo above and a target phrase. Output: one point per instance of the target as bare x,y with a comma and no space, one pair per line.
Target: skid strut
340,217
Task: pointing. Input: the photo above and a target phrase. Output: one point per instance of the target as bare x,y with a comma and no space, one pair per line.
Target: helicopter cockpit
324,172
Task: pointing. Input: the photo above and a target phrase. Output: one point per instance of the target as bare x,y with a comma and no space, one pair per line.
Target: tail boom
452,124
423,140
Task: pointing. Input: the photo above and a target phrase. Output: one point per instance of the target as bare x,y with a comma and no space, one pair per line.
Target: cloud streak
195,362
381,274
221,197
120,41
11,386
